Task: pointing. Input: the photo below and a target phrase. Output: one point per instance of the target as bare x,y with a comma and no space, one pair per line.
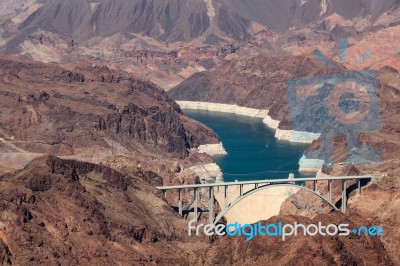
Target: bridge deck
265,181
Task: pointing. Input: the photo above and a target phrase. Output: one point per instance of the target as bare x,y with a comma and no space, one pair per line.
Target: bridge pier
211,205
196,197
330,190
315,185
180,202
344,196
359,187
226,196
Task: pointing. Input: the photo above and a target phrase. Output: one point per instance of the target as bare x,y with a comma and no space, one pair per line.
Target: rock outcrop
93,111
68,212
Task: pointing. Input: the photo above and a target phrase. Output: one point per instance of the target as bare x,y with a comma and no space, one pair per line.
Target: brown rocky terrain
11,8
380,204
55,211
118,136
212,21
167,42
66,211
377,204
43,104
90,112
257,81
63,212
299,250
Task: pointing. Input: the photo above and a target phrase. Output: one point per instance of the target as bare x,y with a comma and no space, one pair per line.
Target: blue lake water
253,151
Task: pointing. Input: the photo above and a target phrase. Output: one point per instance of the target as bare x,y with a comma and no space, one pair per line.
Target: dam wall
261,205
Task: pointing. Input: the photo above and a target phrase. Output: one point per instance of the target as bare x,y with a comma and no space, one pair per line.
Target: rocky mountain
119,137
89,112
173,21
166,21
167,41
85,137
257,81
68,212
289,14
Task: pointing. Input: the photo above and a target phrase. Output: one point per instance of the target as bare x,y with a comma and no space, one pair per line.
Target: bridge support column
315,185
344,196
359,186
241,190
211,205
226,196
330,190
180,202
196,197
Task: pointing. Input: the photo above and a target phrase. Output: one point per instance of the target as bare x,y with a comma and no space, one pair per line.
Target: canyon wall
224,108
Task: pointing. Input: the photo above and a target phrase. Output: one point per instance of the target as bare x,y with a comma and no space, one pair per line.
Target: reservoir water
253,151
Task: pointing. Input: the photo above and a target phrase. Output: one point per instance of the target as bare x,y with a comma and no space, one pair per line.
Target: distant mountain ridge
185,20
169,20
168,41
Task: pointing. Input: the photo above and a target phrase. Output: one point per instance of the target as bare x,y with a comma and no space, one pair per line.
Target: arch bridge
258,185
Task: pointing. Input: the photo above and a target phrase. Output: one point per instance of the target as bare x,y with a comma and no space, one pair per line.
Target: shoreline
223,108
305,165
281,134
211,149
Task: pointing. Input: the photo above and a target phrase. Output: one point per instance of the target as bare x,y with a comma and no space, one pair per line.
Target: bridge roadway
258,185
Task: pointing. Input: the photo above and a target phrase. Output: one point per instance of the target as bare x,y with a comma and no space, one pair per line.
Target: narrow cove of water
253,151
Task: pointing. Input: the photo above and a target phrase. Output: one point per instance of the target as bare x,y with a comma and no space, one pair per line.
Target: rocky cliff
67,212
90,110
255,81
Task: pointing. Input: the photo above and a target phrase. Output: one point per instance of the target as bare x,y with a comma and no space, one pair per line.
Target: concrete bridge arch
260,188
